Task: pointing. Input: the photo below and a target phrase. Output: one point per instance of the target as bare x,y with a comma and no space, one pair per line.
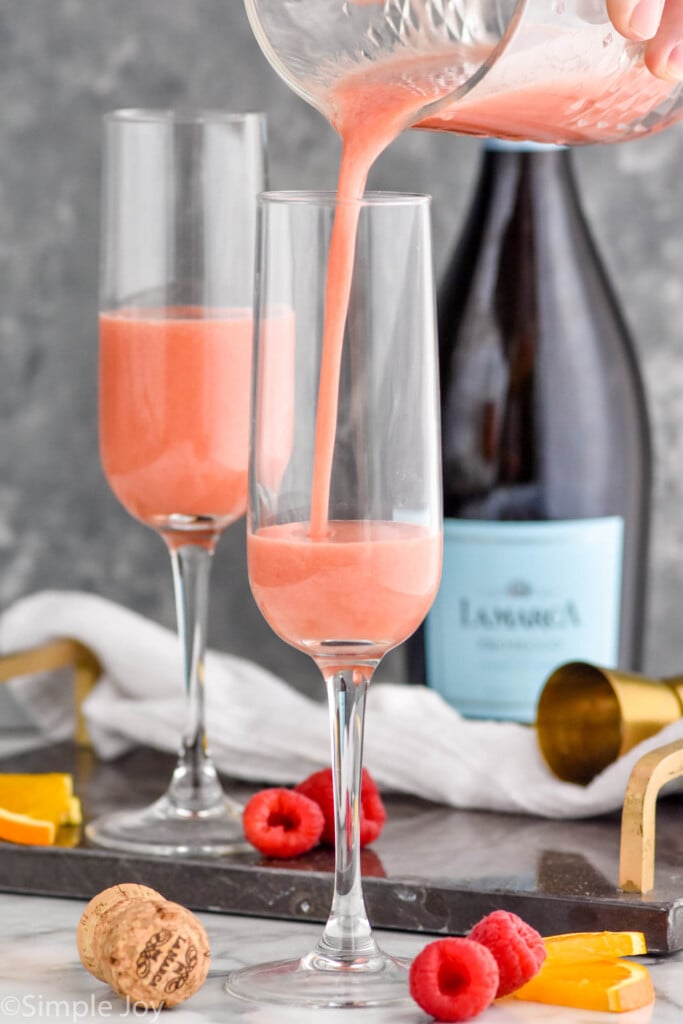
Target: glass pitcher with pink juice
546,70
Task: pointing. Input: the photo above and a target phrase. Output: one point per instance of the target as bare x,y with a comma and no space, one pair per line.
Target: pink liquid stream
370,109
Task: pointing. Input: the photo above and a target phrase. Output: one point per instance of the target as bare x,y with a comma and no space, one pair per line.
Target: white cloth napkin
261,729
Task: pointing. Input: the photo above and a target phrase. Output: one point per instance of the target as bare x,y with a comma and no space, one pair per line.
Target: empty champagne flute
176,327
344,518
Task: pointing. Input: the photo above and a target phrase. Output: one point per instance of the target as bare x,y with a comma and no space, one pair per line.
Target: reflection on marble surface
41,977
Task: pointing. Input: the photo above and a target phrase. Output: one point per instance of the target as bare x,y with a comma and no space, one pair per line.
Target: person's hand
660,22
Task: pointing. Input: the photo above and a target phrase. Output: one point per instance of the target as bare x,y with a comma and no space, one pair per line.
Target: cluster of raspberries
288,822
455,979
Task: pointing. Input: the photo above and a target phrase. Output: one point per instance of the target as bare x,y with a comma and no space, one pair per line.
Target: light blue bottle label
516,600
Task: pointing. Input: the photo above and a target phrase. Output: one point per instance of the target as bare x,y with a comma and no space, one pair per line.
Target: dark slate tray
433,869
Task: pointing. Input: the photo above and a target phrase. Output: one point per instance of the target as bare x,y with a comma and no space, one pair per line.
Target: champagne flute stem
194,787
347,936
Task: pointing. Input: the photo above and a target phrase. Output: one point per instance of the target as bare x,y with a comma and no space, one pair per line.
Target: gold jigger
587,716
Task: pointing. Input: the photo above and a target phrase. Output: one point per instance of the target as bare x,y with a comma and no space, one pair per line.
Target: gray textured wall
62,64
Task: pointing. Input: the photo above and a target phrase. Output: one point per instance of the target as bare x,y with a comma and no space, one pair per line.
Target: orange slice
74,813
47,796
68,836
594,945
20,828
614,985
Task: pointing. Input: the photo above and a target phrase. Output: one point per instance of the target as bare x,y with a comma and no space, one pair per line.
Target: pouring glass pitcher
546,70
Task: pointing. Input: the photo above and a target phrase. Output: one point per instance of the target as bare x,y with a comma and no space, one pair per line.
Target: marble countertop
41,977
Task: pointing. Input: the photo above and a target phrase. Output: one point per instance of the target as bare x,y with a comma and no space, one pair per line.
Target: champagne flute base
164,829
317,981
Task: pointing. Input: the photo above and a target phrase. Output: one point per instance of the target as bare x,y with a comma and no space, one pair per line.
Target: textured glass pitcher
545,70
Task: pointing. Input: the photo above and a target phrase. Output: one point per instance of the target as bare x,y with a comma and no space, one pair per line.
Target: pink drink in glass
174,409
366,581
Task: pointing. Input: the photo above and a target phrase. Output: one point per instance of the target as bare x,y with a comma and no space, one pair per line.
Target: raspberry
372,813
281,823
453,979
517,947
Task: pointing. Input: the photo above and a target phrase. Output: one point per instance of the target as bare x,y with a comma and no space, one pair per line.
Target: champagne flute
344,540
176,327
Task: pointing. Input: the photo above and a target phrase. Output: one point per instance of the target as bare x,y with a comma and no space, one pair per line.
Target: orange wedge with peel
47,796
594,945
613,985
20,828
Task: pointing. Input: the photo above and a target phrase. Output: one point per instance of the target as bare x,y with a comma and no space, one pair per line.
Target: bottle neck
515,165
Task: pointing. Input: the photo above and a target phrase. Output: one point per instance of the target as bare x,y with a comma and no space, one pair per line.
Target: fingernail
645,19
674,64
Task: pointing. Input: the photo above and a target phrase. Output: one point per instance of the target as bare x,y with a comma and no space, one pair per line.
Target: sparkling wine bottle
546,451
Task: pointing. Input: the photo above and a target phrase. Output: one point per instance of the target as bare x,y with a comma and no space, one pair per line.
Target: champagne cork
151,951
97,908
